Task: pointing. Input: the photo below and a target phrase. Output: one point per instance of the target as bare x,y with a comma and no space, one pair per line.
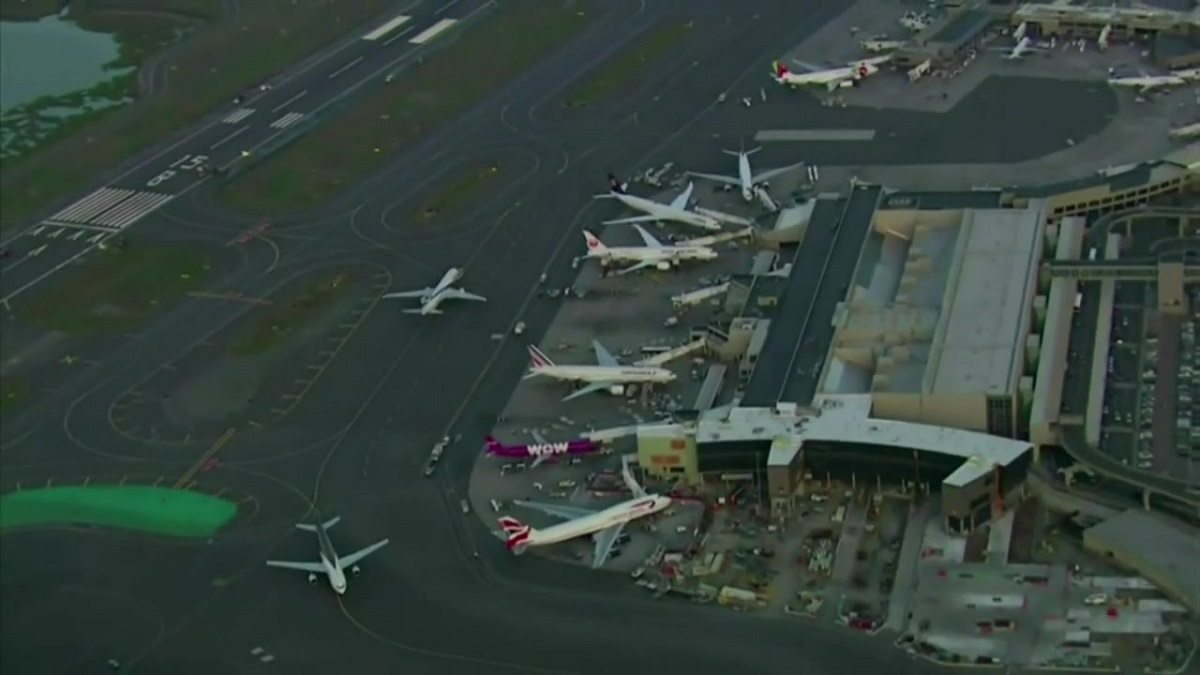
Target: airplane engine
663,266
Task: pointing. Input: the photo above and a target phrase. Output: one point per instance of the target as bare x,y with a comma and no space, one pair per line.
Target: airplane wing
353,558
604,357
604,540
316,568
460,294
557,510
630,482
681,202
640,266
771,173
632,219
409,294
648,238
589,389
727,180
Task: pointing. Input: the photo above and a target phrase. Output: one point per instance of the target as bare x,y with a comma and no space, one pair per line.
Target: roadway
354,443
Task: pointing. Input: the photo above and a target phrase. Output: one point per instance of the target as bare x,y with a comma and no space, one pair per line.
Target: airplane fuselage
543,450
666,212
614,515
666,254
619,374
746,176
333,572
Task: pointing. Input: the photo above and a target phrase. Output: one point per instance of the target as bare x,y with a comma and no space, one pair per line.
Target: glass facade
889,464
733,456
1000,418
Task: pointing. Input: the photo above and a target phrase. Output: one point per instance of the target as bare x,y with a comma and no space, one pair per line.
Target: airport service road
221,141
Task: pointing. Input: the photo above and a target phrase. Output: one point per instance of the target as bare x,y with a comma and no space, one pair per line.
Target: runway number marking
189,162
160,178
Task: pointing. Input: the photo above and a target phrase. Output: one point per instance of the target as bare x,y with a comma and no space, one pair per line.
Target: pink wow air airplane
604,526
541,450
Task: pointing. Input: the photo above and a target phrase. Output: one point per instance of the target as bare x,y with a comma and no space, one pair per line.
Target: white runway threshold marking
433,31
237,115
387,28
287,120
110,209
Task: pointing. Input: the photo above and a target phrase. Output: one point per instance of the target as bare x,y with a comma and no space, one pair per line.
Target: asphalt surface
354,442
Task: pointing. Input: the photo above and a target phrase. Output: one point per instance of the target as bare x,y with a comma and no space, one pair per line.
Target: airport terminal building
928,358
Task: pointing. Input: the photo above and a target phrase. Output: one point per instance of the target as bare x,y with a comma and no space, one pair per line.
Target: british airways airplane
604,526
541,450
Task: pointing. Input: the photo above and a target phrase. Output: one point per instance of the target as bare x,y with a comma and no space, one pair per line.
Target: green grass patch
459,191
482,59
12,392
624,67
280,321
117,289
215,64
151,510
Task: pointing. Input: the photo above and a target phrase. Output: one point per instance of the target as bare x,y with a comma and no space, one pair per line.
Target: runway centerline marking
186,478
346,67
228,138
288,102
397,36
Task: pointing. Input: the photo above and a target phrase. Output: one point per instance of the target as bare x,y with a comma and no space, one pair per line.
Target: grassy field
624,67
11,394
117,289
208,70
278,322
456,192
388,119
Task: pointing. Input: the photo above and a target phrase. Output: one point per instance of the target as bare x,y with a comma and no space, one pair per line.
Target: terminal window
1000,416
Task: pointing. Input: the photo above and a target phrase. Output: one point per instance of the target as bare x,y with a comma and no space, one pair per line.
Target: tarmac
364,402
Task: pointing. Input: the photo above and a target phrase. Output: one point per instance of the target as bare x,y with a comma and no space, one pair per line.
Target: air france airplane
330,564
604,526
677,211
746,180
608,372
432,297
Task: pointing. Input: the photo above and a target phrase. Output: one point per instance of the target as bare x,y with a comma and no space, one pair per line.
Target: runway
353,443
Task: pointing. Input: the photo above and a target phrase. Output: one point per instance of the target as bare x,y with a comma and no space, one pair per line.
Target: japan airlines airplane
830,78
604,526
677,211
654,254
330,564
432,297
606,374
541,450
746,179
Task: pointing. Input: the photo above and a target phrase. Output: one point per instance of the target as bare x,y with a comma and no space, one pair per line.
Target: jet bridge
692,298
686,349
722,237
724,217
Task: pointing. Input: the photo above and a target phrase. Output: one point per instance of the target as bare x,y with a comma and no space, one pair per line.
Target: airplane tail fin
325,525
491,443
538,358
518,534
594,244
780,69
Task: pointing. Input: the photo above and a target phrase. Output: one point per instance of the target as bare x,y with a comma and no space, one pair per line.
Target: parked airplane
541,450
1023,46
1145,83
830,78
677,211
607,374
432,297
654,254
605,526
746,180
330,564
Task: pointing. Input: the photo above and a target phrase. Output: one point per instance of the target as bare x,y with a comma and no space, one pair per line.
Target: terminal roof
847,419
